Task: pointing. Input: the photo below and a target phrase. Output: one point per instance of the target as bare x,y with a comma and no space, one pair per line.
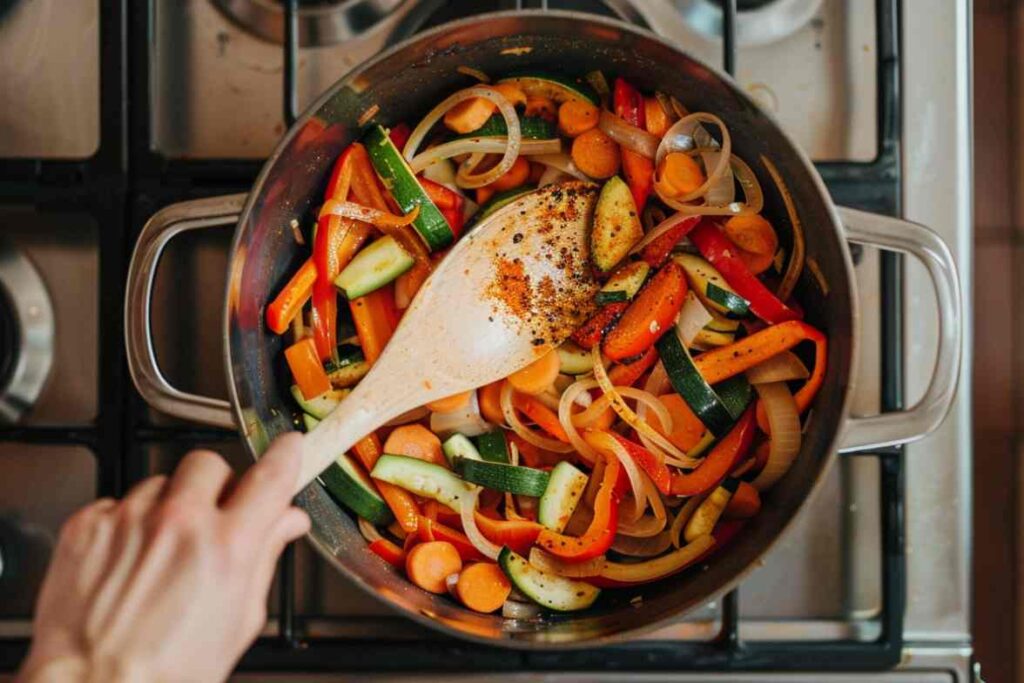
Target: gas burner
321,22
758,22
26,333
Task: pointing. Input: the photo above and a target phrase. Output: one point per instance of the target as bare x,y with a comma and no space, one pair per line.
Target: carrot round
483,587
679,174
512,92
576,117
541,107
468,115
489,397
449,403
513,177
428,565
656,120
650,315
752,233
415,441
536,377
596,154
687,429
745,503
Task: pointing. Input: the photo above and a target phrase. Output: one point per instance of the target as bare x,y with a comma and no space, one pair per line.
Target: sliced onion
562,161
782,367
510,500
528,435
666,105
552,175
549,397
685,135
477,148
369,531
546,562
332,207
593,485
753,195
414,415
692,319
724,190
659,230
636,479
465,420
628,135
642,547
473,73
645,527
796,259
467,512
682,517
513,609
451,583
629,417
784,421
565,417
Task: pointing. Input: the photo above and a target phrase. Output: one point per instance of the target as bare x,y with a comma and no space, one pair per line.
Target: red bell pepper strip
657,251
626,374
400,135
306,368
293,296
375,318
440,512
389,552
430,530
723,533
601,532
659,473
638,169
520,535
331,232
593,331
726,454
448,202
722,254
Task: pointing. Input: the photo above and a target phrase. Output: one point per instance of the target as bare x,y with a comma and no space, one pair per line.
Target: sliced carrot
656,119
538,376
468,115
375,319
752,233
366,186
389,552
687,429
513,177
679,174
309,373
756,263
512,92
402,503
594,330
416,441
483,194
430,530
292,297
650,314
408,283
544,417
541,107
596,154
489,397
450,403
626,374
576,117
429,564
516,534
745,503
483,587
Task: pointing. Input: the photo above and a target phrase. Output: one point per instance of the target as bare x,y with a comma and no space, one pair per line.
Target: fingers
265,490
293,524
200,477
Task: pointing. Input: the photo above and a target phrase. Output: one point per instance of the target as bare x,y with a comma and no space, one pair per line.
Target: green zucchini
492,446
401,182
526,481
707,514
624,283
499,200
422,478
565,487
350,486
379,263
707,339
348,375
572,360
309,422
720,324
711,287
547,590
553,86
531,128
459,446
319,406
616,227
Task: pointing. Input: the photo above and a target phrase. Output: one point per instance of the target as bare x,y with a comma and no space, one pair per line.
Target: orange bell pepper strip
726,454
650,315
544,417
402,503
293,296
366,186
519,535
638,169
626,374
389,552
306,368
375,318
599,535
429,530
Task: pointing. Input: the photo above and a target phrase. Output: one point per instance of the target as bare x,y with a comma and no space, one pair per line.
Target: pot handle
142,363
894,234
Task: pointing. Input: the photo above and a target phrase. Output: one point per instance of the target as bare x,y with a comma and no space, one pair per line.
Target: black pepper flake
517,238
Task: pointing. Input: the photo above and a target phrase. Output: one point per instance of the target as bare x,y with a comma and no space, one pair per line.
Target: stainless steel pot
404,82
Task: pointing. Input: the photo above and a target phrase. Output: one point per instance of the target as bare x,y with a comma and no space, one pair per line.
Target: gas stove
181,99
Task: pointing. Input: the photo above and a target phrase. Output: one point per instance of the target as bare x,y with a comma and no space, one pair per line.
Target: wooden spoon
507,293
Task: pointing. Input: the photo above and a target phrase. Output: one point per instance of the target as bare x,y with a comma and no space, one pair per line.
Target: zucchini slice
401,182
616,225
525,481
376,265
547,590
711,287
531,127
350,486
422,478
572,360
707,339
320,406
624,283
499,200
721,324
309,422
565,487
554,87
707,514
459,446
492,447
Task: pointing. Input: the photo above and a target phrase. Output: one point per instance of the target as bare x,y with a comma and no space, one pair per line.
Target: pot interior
404,84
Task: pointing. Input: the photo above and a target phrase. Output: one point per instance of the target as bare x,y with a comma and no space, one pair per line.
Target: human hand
171,582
